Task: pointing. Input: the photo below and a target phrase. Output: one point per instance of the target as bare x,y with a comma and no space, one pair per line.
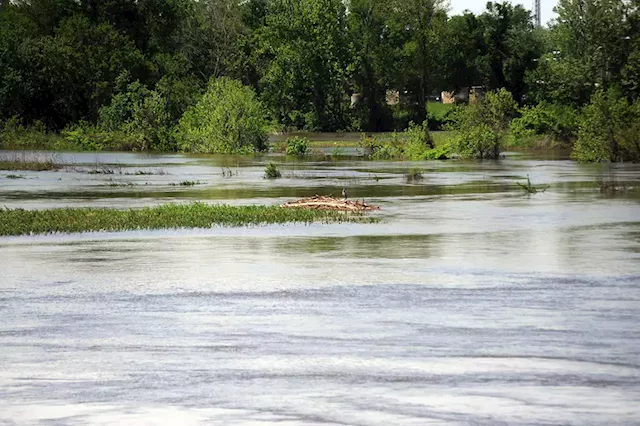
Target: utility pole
537,13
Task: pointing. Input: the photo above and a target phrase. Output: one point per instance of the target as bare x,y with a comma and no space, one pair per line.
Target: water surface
470,303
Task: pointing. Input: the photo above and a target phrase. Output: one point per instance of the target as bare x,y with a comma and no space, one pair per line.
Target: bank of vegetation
169,216
217,76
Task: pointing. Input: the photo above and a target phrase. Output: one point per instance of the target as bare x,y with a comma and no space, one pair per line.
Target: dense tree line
136,66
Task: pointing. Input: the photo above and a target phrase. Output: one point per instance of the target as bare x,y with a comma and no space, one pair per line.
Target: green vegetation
272,172
416,143
529,188
187,183
169,216
160,172
227,119
113,184
14,135
214,76
608,184
479,141
481,128
297,146
14,176
414,176
559,123
28,161
439,115
609,130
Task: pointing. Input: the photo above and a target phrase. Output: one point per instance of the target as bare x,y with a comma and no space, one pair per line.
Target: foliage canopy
227,119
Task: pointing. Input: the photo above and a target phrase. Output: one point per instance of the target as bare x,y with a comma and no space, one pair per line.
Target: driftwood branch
330,203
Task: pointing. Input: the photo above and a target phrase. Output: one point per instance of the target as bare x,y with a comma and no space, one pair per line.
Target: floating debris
318,202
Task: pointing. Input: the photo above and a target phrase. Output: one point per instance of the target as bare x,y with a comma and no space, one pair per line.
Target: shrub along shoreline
15,222
227,120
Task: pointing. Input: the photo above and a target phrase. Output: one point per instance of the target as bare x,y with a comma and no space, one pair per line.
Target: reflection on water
469,304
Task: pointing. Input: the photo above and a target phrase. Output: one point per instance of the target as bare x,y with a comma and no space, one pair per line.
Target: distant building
461,95
393,97
464,95
356,99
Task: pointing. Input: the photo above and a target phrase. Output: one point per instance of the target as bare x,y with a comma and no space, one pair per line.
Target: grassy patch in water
187,183
28,161
168,216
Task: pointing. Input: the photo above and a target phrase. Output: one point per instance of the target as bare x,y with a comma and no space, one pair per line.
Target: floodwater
468,304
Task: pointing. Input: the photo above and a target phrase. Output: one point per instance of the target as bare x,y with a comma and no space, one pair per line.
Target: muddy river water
470,303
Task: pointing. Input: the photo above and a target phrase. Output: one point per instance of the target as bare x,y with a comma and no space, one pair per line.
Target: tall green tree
423,22
306,44
79,66
463,48
210,38
593,46
376,44
511,47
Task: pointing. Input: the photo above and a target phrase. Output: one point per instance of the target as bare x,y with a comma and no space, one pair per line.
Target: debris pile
318,202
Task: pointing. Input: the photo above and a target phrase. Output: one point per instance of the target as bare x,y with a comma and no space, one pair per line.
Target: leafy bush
480,129
227,119
479,141
418,140
150,126
82,137
142,115
415,143
442,152
297,146
14,135
120,110
87,137
559,122
272,172
377,149
609,130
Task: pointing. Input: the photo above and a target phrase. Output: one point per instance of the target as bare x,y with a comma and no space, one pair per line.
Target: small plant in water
187,183
529,188
115,184
337,151
14,177
146,172
272,172
297,146
414,175
104,169
609,184
227,172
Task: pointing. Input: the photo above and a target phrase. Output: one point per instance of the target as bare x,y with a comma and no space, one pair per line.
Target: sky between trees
478,6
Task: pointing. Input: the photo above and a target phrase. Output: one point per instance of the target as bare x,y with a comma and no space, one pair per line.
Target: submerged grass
168,216
28,161
414,176
187,183
530,189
